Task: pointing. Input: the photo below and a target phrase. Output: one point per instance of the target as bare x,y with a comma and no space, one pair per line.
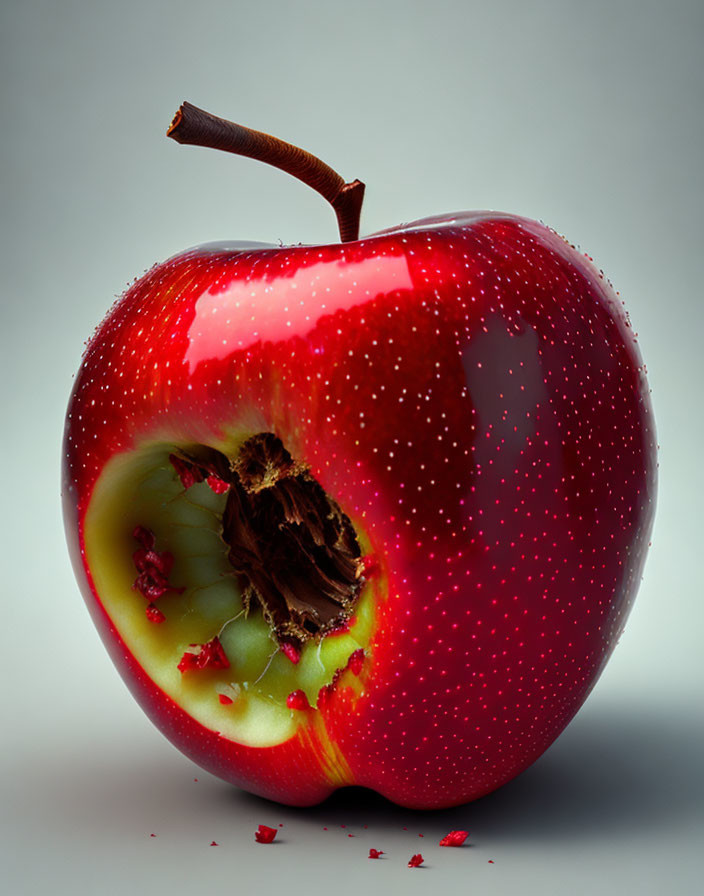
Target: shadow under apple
614,768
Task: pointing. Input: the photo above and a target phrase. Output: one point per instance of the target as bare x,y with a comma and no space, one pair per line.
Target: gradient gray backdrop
585,115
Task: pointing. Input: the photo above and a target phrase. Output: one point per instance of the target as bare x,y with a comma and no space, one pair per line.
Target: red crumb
153,585
375,853
350,835
297,700
146,558
152,835
153,568
491,861
415,860
189,474
213,843
210,656
154,614
343,627
219,486
144,536
265,834
454,838
356,661
291,652
224,699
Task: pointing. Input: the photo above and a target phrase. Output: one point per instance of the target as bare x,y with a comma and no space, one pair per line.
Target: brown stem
196,127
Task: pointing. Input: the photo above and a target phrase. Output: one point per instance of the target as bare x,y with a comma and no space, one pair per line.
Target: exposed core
234,579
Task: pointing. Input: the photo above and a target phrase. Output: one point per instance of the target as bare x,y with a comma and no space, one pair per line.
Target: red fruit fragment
154,614
356,661
415,861
189,474
139,558
491,861
188,661
217,658
150,588
291,652
375,853
297,700
218,485
265,834
210,656
454,838
144,536
153,567
224,699
213,843
151,560
343,627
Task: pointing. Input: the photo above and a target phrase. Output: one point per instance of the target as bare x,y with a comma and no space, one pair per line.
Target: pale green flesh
143,489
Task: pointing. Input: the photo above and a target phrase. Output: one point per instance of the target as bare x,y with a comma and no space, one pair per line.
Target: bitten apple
368,513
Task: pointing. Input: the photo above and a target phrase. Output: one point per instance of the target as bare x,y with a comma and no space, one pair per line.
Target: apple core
295,551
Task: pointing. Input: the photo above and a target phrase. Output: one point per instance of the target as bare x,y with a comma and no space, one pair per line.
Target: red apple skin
471,390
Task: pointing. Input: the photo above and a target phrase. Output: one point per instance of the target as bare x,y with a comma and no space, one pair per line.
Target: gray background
585,115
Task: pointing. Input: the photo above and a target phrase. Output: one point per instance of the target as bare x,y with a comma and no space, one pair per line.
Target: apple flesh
462,412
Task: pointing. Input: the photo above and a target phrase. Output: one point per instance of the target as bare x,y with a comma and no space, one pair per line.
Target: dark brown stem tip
197,127
348,208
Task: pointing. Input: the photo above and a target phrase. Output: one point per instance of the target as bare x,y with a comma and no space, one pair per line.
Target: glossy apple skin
469,388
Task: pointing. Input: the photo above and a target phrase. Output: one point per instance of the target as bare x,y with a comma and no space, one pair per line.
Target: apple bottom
302,771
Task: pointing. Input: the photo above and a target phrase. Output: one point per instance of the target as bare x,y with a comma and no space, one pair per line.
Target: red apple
369,513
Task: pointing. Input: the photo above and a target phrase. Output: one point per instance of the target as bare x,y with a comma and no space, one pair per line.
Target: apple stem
195,127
